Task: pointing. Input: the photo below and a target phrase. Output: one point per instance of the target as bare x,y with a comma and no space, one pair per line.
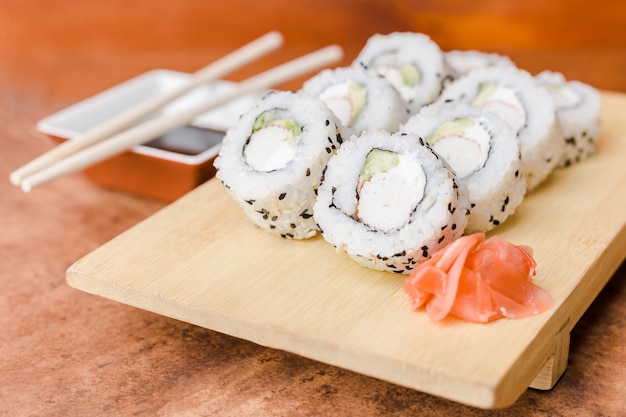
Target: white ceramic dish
78,118
143,169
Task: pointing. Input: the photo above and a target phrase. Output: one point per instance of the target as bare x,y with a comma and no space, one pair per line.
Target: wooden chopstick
214,71
164,123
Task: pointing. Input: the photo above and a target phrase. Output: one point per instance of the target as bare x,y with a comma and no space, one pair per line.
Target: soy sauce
188,140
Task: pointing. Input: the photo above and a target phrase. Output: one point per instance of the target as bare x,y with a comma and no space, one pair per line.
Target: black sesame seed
327,122
453,226
282,196
441,239
308,172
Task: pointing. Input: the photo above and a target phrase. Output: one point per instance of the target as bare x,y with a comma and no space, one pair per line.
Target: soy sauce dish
166,167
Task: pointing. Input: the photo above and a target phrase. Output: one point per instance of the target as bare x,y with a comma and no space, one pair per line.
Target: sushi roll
483,151
412,62
578,108
462,62
271,162
389,202
360,99
529,109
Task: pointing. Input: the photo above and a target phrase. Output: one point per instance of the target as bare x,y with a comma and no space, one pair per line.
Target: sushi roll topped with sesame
271,162
462,62
483,151
513,95
578,107
411,62
361,99
389,202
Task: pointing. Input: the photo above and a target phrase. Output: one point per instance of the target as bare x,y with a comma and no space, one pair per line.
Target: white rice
533,116
494,178
383,107
462,62
438,218
388,53
280,200
578,107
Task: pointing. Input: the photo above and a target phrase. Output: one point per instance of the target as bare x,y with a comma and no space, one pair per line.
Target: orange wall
58,41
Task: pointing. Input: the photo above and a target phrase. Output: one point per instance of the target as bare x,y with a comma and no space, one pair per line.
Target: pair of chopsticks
110,138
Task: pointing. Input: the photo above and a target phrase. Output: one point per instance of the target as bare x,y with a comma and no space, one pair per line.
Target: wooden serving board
201,261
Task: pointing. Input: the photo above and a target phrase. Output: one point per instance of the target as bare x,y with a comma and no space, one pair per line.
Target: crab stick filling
346,100
273,141
504,102
463,143
390,187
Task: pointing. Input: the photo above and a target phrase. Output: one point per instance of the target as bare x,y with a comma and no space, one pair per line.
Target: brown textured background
66,353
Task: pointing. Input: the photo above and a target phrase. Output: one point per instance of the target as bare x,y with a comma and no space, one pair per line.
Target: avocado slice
411,75
377,161
485,91
454,127
276,117
358,98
